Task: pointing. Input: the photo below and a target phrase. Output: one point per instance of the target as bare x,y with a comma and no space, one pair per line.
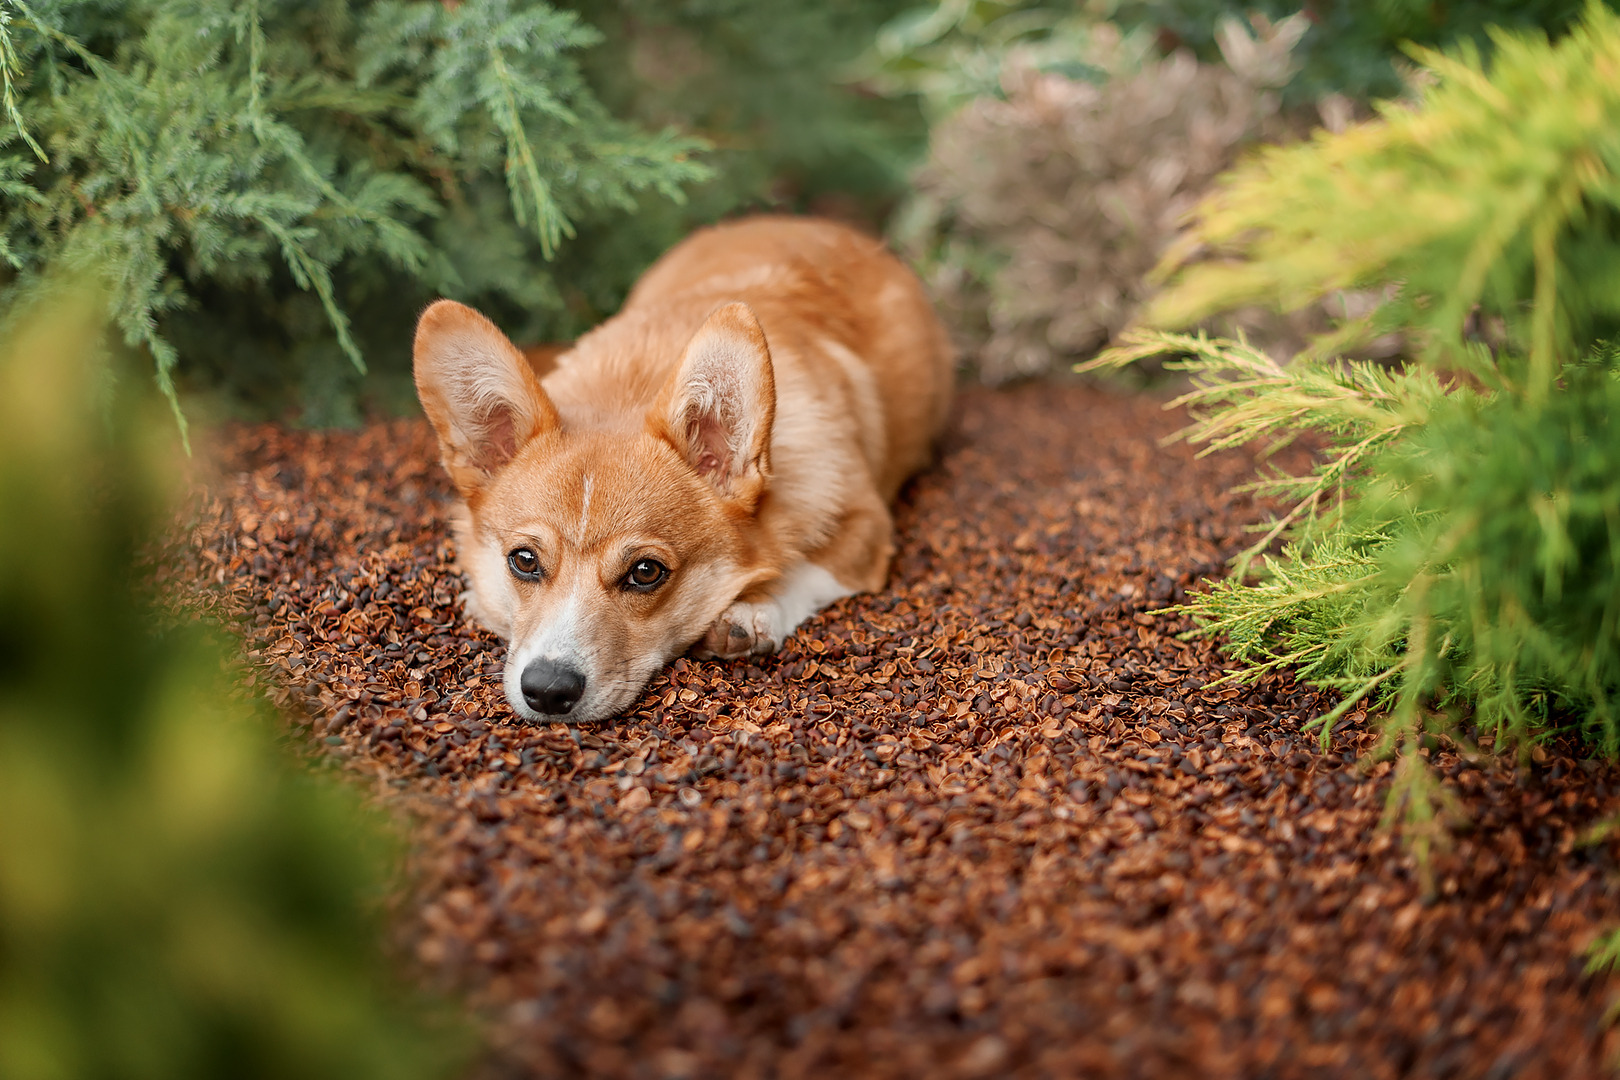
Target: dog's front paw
743,629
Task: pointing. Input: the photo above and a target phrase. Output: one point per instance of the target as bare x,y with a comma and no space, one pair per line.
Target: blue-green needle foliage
258,169
178,898
1457,548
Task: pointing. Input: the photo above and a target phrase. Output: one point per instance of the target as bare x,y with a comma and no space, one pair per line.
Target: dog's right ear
478,390
719,405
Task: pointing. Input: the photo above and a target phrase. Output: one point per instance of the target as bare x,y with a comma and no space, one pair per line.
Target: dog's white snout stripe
584,513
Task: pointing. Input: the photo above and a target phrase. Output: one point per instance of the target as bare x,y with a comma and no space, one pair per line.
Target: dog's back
851,334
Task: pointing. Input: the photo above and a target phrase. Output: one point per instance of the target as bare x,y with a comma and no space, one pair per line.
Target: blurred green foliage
1354,47
1068,141
763,84
1063,158
276,185
955,50
281,185
1494,202
769,86
1457,550
178,898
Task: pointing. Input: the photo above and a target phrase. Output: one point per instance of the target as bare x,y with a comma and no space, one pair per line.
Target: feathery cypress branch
211,146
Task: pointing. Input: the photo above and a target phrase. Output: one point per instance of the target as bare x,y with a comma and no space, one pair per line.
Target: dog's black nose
551,687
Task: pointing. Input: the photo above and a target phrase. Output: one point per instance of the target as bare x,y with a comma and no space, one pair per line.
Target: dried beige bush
1039,214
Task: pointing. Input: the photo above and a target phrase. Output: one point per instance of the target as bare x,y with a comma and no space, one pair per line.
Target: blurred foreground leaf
178,898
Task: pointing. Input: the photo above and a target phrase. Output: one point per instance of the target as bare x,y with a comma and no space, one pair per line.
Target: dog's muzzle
551,687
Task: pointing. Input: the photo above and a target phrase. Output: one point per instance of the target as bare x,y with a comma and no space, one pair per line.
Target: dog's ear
478,390
718,408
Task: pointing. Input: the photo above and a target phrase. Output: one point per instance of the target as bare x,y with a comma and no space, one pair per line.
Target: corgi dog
707,468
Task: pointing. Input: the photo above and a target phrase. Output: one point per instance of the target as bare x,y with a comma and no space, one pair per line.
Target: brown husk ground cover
993,821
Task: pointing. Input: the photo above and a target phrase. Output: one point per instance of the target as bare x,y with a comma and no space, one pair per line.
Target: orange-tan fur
742,423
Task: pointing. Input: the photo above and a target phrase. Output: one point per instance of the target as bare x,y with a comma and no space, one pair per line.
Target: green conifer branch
522,174
10,72
1411,205
310,273
1454,553
245,150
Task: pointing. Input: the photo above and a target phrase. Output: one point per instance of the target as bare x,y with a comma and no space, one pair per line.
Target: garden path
993,821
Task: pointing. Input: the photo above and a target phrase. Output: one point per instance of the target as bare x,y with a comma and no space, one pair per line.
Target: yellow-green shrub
178,898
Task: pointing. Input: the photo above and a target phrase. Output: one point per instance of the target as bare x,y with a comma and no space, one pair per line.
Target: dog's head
603,550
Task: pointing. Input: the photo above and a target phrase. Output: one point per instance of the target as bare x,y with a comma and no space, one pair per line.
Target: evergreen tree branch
522,174
10,72
242,150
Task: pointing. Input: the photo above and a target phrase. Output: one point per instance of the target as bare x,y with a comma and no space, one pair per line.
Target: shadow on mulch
990,822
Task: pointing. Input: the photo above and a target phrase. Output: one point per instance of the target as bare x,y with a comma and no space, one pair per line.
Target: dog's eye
524,563
646,575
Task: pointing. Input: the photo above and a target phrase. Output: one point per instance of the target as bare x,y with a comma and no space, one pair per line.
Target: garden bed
993,821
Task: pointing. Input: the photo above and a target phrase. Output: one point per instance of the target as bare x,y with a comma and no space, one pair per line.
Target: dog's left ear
719,406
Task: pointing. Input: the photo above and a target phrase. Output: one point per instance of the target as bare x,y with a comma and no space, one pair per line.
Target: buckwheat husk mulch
993,821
